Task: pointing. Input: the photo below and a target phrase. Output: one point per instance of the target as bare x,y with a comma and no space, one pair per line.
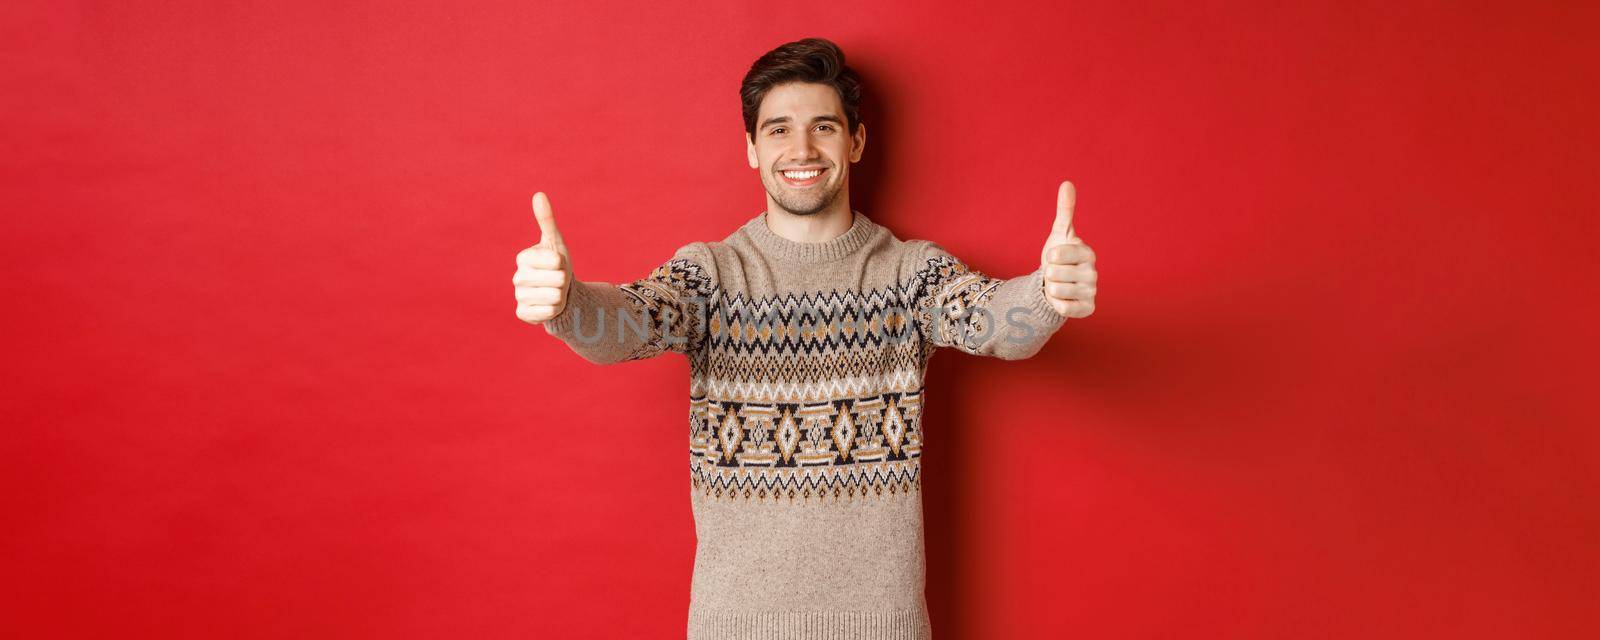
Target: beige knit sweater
806,365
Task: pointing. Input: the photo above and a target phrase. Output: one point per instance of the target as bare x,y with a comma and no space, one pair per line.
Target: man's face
800,127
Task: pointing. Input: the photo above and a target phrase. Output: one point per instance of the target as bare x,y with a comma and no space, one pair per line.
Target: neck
821,226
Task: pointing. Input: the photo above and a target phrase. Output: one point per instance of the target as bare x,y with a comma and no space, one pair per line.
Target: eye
775,130
826,126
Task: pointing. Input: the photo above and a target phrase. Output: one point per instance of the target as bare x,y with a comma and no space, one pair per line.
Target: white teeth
802,175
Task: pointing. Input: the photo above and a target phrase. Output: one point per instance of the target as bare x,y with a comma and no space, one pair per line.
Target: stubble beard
801,204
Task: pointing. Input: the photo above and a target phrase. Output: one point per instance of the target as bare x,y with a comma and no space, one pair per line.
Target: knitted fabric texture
806,365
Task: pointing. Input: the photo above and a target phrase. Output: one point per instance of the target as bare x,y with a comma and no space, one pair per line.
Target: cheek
844,156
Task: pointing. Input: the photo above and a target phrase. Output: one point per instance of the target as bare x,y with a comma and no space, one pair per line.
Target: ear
860,142
750,151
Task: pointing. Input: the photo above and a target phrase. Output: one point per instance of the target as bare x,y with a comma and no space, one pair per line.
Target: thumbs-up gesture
543,271
1069,274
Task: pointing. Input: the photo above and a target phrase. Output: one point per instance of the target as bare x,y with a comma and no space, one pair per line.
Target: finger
1075,253
539,278
540,257
1079,308
535,312
1061,273
538,295
1066,203
1069,291
549,235
1070,254
1069,273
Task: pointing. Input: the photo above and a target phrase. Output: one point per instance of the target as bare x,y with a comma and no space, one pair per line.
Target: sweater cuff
1039,309
564,325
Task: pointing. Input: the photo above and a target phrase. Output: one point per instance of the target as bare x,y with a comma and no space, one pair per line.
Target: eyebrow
785,119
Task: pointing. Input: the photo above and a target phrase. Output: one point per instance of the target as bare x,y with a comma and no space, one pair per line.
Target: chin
801,212
796,209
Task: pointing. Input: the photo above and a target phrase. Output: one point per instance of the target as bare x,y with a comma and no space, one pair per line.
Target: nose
803,149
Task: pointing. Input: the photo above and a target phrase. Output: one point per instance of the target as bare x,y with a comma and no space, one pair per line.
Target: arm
958,307
1009,319
664,311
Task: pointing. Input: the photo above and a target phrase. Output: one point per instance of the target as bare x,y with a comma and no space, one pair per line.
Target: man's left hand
1069,274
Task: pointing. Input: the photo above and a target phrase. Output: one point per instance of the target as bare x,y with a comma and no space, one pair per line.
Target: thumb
1066,201
549,235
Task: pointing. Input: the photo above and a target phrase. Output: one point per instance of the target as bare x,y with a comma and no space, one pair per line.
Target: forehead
800,100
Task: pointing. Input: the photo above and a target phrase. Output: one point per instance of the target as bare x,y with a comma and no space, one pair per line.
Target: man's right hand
543,271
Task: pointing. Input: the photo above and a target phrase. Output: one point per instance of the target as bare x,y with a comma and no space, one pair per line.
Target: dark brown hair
808,60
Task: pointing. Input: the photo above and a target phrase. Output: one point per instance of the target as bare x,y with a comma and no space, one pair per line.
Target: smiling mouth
803,178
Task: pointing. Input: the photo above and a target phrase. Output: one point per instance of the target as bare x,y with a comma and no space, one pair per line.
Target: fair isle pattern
842,448
947,282
742,390
824,323
819,395
811,323
662,291
797,435
842,482
810,347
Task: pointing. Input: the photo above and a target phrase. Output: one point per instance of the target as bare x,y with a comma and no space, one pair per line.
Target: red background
264,378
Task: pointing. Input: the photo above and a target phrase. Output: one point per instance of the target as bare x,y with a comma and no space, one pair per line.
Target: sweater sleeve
666,310
965,309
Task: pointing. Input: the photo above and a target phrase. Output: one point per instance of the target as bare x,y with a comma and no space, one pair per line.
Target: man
808,331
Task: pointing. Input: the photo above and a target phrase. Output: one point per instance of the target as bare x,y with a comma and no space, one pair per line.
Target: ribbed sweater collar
861,230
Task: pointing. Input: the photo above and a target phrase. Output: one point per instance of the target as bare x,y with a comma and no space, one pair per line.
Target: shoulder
705,254
693,267
918,255
696,252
